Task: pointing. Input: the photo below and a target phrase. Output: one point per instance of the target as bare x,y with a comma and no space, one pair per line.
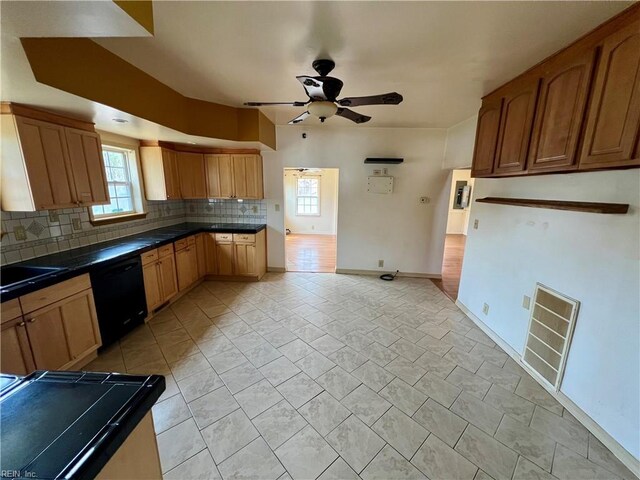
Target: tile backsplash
33,234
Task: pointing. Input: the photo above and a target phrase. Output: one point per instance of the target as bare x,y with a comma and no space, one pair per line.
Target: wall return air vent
553,318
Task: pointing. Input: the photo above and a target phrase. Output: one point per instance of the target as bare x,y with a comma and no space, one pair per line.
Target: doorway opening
311,219
457,228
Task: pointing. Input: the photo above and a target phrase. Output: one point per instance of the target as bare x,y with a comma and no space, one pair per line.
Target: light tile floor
328,376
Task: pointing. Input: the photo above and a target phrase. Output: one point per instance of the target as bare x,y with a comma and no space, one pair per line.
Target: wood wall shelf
590,207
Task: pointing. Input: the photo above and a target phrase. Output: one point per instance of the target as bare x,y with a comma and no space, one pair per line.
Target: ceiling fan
323,92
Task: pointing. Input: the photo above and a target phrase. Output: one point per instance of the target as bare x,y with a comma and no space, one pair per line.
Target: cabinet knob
21,324
31,320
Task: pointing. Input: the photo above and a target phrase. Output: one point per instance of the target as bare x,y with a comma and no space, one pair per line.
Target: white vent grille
551,325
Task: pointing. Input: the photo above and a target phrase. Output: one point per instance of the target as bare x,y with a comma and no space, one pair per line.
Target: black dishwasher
118,290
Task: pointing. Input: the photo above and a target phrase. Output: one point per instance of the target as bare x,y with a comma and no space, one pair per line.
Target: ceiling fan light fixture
322,109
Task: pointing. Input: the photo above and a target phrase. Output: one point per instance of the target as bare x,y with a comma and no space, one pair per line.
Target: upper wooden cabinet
561,106
48,164
160,173
612,127
234,176
486,137
578,110
518,107
191,172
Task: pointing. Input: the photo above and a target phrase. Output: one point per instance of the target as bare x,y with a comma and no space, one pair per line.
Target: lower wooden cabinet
159,272
241,255
15,352
201,254
186,262
224,256
56,336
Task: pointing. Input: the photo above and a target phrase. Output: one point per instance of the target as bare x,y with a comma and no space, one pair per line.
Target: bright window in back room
308,196
123,183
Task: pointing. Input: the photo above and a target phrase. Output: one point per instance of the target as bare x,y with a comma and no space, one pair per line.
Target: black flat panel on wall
388,161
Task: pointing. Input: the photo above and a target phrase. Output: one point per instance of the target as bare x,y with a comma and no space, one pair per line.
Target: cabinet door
193,263
183,269
201,255
225,172
210,248
80,324
152,286
518,108
255,188
614,112
191,172
171,179
239,176
212,165
87,166
44,147
560,111
168,281
486,137
245,259
15,353
45,329
224,257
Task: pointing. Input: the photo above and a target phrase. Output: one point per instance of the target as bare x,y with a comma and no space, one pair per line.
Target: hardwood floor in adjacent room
452,265
311,253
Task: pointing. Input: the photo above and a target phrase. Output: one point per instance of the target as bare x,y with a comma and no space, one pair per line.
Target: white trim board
607,440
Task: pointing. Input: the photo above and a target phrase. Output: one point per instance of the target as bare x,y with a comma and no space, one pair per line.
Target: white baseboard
276,269
348,271
627,458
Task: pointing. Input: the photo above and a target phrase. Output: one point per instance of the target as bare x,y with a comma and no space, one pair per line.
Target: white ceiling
441,56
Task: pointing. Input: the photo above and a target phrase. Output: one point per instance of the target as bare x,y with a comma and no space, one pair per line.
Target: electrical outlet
380,263
76,223
475,224
313,227
377,171
485,309
277,207
526,302
425,200
385,171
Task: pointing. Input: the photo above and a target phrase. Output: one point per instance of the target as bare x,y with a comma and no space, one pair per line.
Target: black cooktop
69,424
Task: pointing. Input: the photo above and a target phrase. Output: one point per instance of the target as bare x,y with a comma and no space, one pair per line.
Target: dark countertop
69,424
80,260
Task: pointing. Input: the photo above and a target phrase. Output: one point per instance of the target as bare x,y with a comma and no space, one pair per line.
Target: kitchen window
123,182
308,196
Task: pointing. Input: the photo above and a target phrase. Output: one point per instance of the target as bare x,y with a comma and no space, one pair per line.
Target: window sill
117,219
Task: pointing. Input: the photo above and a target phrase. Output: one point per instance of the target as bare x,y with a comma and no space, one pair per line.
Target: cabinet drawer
181,244
165,250
10,310
224,237
150,256
244,237
49,295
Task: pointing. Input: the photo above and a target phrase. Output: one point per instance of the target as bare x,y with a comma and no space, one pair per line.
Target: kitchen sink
10,276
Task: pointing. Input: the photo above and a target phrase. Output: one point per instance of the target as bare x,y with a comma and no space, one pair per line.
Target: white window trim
302,177
135,182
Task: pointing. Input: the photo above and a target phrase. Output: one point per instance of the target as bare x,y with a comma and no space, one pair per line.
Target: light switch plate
277,207
475,224
526,302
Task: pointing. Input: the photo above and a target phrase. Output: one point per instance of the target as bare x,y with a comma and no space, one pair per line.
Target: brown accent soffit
180,147
140,10
84,68
36,114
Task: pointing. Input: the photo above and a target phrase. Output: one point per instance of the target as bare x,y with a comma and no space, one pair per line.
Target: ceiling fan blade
353,116
299,118
313,87
260,104
392,98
